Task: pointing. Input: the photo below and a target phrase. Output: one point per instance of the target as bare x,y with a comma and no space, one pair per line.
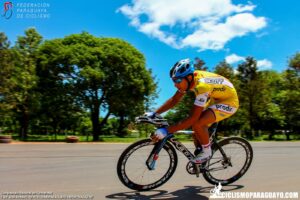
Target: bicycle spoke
210,164
216,169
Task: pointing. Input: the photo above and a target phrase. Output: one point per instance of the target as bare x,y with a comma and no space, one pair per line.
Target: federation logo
7,10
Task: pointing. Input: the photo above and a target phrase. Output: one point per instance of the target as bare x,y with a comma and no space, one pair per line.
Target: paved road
90,169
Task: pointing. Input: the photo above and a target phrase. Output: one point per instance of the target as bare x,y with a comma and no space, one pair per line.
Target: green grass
277,138
50,138
118,139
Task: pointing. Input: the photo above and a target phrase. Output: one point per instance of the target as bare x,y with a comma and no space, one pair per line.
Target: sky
166,31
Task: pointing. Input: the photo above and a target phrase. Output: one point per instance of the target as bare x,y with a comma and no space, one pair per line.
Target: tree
58,109
6,63
25,77
105,75
4,43
22,79
199,64
294,62
251,93
270,117
225,69
134,86
6,68
290,95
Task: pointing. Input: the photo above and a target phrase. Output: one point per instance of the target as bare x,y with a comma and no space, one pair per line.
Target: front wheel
231,167
133,171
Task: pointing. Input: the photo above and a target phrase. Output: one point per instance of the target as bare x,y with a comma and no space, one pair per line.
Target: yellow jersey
210,86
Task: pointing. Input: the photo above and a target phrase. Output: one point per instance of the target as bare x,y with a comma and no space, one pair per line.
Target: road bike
146,165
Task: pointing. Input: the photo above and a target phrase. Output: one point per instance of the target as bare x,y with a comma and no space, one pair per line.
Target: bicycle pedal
190,168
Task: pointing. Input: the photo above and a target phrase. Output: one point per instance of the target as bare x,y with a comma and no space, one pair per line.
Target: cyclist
216,99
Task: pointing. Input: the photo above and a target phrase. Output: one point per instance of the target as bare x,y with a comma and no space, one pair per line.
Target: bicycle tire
128,182
248,160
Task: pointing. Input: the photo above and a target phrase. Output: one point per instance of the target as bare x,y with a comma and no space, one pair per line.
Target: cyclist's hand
159,134
150,114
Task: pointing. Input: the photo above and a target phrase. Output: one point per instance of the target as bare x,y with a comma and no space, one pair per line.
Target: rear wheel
133,171
225,171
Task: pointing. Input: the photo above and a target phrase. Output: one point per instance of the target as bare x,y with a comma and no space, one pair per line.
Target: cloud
264,64
233,58
261,64
202,24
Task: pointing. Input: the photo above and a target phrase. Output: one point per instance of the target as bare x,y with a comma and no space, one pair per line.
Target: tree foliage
102,74
20,77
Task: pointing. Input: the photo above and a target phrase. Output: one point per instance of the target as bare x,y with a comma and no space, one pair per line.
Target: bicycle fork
154,155
227,159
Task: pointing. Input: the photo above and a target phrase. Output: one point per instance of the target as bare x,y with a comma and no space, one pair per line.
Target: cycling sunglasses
177,80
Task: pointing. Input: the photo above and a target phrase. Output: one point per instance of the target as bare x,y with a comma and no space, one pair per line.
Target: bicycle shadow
188,192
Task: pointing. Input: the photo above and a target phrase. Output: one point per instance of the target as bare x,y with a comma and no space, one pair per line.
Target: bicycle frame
153,157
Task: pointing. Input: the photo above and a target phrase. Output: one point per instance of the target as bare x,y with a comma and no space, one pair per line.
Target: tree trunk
54,126
104,121
95,111
249,134
271,135
256,133
121,131
287,133
24,122
251,116
95,123
55,134
87,135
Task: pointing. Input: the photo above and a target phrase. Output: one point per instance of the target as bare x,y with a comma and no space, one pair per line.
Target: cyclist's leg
195,140
200,128
201,135
201,132
214,113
